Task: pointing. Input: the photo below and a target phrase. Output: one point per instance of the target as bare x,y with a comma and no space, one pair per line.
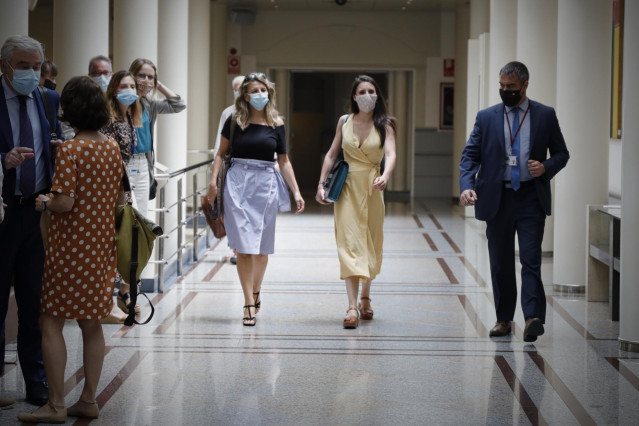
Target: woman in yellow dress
367,135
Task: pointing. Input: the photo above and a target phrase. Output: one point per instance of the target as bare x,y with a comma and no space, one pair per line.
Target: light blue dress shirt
13,107
524,140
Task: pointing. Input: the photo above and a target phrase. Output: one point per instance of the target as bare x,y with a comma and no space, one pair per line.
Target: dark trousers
22,262
519,213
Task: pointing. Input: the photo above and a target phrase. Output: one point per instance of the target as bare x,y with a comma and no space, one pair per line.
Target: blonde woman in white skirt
254,190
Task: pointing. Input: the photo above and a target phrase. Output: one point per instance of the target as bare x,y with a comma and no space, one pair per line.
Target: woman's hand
40,202
319,197
211,194
380,183
299,202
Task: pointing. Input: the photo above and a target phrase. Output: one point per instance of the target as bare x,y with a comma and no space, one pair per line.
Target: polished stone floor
426,358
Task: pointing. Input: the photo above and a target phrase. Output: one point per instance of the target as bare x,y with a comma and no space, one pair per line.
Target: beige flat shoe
48,413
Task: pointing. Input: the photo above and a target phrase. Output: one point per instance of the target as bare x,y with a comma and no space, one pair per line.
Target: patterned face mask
366,103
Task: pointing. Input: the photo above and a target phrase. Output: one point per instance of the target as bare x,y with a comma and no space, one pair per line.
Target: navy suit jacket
6,140
483,161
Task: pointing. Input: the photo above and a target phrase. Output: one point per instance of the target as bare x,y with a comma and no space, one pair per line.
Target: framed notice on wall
446,106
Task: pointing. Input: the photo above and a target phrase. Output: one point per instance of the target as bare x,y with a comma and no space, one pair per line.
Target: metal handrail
182,220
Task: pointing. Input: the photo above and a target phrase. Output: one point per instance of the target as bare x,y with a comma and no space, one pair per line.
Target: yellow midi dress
359,212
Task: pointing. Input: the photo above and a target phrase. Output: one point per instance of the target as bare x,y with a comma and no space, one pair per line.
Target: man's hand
468,198
16,157
536,168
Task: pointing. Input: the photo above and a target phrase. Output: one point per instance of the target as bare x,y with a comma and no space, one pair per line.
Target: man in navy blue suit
26,151
515,149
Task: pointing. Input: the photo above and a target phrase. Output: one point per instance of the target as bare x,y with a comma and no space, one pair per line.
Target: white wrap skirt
253,193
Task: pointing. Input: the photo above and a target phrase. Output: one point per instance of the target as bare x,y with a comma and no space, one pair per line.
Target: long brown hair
112,96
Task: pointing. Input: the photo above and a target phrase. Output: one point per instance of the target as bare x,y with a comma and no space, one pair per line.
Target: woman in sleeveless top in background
366,136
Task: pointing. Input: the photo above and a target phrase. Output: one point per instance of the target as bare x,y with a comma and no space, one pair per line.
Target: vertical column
462,19
479,18
14,19
503,36
400,110
135,32
477,57
628,312
281,79
537,48
583,93
220,85
72,52
199,76
173,60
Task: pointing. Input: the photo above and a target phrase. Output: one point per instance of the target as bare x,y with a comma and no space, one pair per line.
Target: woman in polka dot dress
81,260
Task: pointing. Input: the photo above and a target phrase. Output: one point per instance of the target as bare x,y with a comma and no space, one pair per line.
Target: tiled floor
425,359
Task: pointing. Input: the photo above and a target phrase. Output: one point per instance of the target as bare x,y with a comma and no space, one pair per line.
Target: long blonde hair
242,108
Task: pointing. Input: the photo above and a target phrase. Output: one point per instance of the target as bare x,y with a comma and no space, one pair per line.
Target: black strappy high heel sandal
258,303
247,319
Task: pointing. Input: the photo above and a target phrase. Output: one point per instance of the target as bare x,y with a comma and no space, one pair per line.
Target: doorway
317,100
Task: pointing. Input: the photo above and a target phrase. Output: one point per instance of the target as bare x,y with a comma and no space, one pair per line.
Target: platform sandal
349,321
249,321
367,313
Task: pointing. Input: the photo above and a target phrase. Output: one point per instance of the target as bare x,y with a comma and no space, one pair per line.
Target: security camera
340,2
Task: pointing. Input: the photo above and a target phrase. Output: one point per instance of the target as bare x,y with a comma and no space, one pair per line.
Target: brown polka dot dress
81,260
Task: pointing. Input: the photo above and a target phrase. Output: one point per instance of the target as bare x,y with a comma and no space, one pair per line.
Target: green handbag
134,238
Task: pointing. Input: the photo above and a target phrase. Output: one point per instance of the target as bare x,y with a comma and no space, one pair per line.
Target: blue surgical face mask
103,81
259,100
25,81
127,96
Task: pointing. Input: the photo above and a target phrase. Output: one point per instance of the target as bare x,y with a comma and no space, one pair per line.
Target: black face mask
510,97
49,84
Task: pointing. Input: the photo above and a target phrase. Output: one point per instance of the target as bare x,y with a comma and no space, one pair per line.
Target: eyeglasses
143,76
255,76
99,73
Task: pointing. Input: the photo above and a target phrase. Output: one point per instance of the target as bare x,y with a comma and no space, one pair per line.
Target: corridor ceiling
350,5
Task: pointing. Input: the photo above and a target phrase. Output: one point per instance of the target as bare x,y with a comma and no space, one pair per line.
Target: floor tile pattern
426,358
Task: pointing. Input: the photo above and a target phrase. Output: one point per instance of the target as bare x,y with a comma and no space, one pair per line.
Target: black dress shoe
501,328
533,328
38,394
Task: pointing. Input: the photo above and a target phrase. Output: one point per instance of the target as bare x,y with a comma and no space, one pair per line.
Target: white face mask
103,81
236,93
366,103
